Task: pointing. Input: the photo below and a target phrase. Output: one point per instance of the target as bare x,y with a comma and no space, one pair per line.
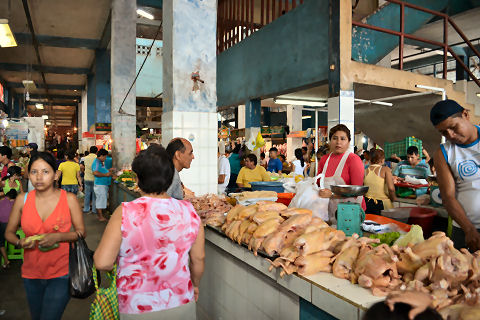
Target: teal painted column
123,57
102,86
90,101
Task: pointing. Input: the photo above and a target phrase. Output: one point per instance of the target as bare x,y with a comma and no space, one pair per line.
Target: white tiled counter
238,285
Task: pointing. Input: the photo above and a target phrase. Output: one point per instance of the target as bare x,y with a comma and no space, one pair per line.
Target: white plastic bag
307,198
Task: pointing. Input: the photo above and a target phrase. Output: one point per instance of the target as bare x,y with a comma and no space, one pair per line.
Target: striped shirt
420,171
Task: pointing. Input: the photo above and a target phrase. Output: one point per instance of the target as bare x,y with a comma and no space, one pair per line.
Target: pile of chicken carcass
307,245
211,208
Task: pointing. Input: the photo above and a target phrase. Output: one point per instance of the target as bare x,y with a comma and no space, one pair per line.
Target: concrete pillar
461,74
123,56
90,101
102,87
341,110
294,122
241,117
252,122
83,144
190,107
16,107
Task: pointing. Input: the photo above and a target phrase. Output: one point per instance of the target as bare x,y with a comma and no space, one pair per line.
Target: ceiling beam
107,33
55,104
47,69
53,97
158,4
149,102
18,85
59,42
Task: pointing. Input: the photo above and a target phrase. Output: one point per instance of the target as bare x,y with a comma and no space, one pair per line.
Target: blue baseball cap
443,110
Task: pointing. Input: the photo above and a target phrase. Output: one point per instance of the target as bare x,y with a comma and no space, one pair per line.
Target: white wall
149,82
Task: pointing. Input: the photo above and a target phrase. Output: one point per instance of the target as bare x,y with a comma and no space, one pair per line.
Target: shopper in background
299,165
340,167
168,268
5,159
31,149
60,157
181,152
49,212
286,168
102,181
263,160
414,166
71,180
88,180
223,171
12,180
6,205
251,173
274,164
235,166
457,162
379,180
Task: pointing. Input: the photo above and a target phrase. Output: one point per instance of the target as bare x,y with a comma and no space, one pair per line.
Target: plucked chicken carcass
271,206
208,205
314,263
232,214
294,211
262,216
319,240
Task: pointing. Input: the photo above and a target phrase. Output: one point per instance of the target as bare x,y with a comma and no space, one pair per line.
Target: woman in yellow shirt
71,180
251,172
379,179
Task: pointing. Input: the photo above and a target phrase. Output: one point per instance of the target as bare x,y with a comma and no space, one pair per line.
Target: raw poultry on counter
211,208
308,245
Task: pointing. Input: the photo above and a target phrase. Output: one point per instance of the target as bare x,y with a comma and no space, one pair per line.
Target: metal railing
238,19
444,45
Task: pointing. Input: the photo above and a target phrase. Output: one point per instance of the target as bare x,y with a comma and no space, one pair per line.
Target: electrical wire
120,110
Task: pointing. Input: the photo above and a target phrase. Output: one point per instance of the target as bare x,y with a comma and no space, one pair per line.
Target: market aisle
12,292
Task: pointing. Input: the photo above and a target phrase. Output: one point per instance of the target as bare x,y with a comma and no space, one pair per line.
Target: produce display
307,245
387,238
211,208
127,177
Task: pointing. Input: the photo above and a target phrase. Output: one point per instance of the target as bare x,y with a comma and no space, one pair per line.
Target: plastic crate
400,148
267,186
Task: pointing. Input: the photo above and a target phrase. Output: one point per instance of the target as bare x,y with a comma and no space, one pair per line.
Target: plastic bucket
424,218
285,198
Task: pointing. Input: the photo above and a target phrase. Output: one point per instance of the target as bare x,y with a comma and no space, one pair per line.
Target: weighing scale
350,215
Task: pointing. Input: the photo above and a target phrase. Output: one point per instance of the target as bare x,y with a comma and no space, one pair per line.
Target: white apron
337,179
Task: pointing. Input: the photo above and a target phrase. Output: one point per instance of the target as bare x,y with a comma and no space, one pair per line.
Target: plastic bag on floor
307,197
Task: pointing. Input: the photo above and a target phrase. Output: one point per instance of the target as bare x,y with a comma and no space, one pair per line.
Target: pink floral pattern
153,272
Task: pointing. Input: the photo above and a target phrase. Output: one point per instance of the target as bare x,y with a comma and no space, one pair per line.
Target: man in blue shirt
274,164
414,166
103,178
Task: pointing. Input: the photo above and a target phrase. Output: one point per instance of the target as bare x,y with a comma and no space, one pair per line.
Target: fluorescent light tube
300,102
39,106
6,35
145,14
45,116
306,117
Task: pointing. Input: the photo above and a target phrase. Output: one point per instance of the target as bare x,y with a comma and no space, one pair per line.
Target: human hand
26,245
310,146
419,301
325,193
472,239
195,293
48,240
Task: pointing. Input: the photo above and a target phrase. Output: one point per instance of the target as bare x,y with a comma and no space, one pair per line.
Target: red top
54,263
353,171
5,169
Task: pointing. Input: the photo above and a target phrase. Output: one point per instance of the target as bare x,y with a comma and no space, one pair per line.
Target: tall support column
90,102
123,60
294,122
189,105
341,110
102,87
83,143
253,109
241,117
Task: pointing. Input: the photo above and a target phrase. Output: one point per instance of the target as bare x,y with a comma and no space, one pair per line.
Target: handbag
80,264
105,305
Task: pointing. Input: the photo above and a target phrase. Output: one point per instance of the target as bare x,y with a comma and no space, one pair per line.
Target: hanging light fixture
7,39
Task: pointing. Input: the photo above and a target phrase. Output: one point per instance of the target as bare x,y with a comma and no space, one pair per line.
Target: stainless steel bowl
349,191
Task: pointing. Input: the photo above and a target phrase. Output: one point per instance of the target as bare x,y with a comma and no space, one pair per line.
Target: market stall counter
238,285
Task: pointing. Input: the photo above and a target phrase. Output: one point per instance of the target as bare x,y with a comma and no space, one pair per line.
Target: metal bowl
349,191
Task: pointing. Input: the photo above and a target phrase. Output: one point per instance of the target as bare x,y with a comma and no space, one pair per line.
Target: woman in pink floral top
158,244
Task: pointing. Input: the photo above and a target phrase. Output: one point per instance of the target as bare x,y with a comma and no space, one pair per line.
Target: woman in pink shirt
340,167
158,245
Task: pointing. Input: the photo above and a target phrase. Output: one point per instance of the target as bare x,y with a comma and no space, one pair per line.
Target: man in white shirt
223,171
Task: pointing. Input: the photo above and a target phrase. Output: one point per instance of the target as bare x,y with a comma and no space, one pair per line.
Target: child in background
12,180
5,209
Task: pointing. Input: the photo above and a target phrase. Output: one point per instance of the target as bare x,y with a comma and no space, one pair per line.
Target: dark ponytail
299,156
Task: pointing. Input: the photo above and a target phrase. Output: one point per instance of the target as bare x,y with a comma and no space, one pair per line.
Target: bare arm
390,185
221,178
77,221
79,180
14,223
197,259
446,183
20,185
109,247
99,174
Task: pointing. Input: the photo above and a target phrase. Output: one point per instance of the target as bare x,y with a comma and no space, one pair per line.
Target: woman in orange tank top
49,213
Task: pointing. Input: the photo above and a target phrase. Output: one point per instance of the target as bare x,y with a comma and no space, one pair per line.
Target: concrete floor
12,293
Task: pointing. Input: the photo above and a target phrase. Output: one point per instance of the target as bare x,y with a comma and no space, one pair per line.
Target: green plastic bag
105,305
